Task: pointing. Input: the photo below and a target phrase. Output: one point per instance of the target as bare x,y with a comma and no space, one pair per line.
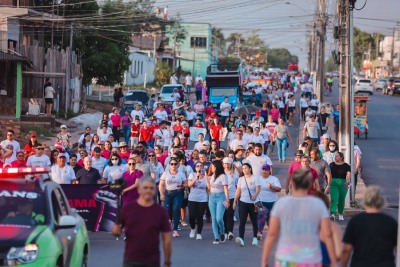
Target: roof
146,42
11,57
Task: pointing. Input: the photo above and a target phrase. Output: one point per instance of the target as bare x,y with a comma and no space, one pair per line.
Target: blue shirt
336,115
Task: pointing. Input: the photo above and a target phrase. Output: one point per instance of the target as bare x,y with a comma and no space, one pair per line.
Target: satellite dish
134,75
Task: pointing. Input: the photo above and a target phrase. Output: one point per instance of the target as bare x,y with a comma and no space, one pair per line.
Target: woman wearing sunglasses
198,199
171,184
218,201
233,177
131,177
156,167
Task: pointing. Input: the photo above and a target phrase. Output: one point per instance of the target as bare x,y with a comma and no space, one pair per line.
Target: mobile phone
203,172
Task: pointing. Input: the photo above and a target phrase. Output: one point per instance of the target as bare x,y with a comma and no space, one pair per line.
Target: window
198,42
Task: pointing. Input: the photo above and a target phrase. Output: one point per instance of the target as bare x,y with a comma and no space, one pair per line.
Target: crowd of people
213,181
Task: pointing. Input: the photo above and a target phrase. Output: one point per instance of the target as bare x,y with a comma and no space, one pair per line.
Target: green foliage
281,58
175,29
217,33
228,63
162,72
330,65
365,42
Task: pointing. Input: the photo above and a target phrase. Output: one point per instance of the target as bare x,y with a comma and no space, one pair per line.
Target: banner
96,204
194,132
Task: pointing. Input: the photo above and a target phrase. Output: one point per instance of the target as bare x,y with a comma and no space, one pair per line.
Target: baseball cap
266,167
33,135
63,126
206,143
227,160
326,136
61,155
101,142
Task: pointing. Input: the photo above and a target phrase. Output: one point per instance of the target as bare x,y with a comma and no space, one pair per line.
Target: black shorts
48,100
290,109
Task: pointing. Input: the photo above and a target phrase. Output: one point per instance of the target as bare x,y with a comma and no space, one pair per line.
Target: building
197,51
387,52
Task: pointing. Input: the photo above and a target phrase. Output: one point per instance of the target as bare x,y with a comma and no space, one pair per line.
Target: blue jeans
173,203
127,133
282,146
217,210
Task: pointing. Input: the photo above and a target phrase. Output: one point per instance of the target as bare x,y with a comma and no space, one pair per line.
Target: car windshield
364,81
137,96
169,89
382,81
21,205
223,92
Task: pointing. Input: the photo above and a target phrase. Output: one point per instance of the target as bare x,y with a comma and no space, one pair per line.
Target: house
391,48
197,51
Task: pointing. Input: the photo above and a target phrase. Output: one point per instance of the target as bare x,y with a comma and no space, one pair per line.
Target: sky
282,23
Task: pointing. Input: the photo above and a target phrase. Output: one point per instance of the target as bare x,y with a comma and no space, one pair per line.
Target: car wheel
60,262
85,260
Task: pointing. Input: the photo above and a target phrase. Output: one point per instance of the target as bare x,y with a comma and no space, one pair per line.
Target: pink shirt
115,119
275,114
130,179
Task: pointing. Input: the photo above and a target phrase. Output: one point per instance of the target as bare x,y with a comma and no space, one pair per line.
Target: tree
217,33
281,58
363,42
330,65
236,41
162,72
228,63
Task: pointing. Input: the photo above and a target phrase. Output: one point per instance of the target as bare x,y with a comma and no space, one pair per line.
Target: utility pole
320,72
392,53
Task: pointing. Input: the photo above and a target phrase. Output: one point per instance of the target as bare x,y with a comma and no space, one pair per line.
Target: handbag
258,206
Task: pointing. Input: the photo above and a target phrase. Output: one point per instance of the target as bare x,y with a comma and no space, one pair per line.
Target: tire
60,262
85,260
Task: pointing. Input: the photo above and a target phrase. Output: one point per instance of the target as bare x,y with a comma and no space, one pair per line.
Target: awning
12,57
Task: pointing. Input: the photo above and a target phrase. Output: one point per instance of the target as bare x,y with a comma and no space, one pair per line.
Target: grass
41,132
67,115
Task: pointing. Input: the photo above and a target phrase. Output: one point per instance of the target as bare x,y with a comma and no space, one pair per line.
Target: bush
162,72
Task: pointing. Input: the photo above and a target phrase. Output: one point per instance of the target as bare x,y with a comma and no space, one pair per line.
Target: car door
66,236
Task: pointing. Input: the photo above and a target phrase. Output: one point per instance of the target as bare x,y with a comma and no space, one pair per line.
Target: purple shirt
130,179
126,121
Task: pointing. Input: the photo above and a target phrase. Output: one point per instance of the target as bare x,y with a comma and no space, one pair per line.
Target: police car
37,225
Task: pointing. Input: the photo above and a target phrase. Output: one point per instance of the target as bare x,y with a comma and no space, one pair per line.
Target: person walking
298,221
152,221
126,126
198,200
49,93
311,129
340,183
131,177
217,184
248,188
329,156
233,177
322,169
282,137
269,189
370,238
171,184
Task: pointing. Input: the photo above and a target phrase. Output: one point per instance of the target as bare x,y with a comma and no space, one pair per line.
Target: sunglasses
150,156
140,147
148,187
131,164
114,159
173,164
40,148
9,134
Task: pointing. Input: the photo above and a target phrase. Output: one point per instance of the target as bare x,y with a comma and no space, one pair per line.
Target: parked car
363,86
380,84
167,90
393,86
134,97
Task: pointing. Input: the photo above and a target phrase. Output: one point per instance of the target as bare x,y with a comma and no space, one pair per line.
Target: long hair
219,168
117,156
84,139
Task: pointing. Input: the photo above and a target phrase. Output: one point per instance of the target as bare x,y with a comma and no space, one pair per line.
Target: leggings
247,209
115,131
228,218
196,211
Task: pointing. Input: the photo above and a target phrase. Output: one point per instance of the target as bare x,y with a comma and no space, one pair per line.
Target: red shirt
199,125
177,128
152,129
315,177
145,134
18,164
125,155
106,154
135,130
294,166
186,132
215,131
209,110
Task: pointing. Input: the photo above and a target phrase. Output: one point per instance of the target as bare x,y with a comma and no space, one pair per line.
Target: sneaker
192,233
184,224
255,241
333,217
341,218
175,234
216,241
199,237
259,236
234,218
230,236
179,228
223,237
239,241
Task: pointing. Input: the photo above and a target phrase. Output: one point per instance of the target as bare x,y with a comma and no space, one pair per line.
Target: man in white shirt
10,141
98,161
104,132
188,81
257,160
62,173
161,114
173,79
87,131
309,89
248,136
199,144
225,108
137,112
198,78
238,141
161,134
257,137
39,159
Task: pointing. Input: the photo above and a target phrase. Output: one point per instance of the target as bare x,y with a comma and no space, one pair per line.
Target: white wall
140,64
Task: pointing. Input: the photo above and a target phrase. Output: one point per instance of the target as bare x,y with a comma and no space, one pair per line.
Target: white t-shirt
235,143
312,129
173,181
161,115
112,173
258,139
232,183
49,92
198,146
98,164
217,185
266,195
257,162
314,102
35,161
252,183
303,103
231,137
308,113
163,133
198,192
190,115
265,134
158,170
138,113
227,107
15,145
247,138
300,219
199,108
188,80
63,175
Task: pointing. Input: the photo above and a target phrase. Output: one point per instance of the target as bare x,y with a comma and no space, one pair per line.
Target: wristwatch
167,263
